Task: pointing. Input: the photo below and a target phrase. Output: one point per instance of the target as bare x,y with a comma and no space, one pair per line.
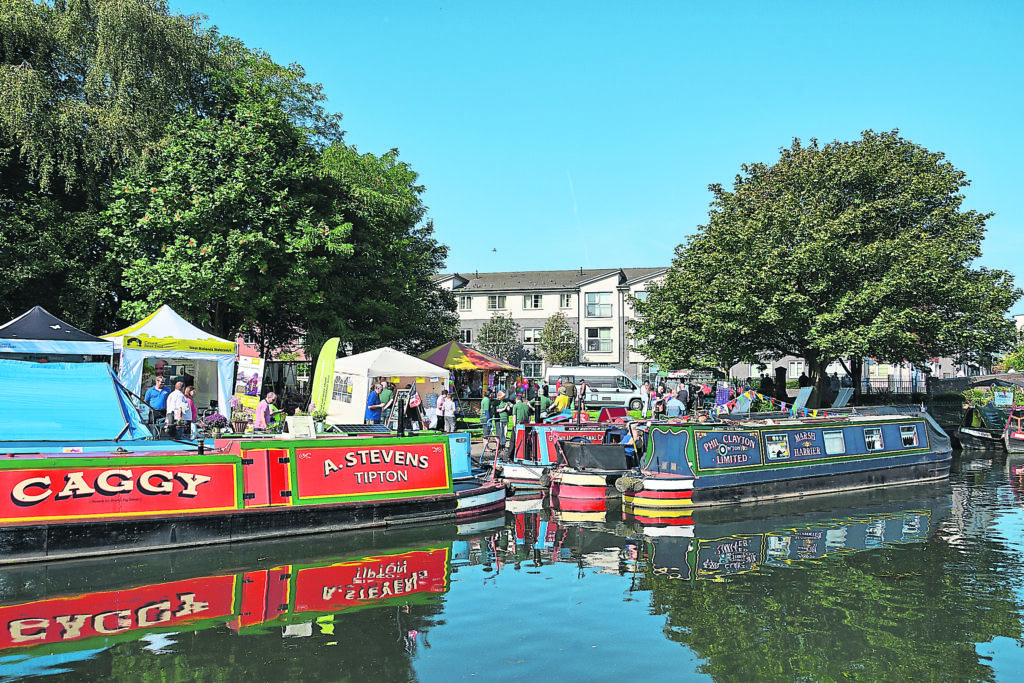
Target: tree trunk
819,380
856,373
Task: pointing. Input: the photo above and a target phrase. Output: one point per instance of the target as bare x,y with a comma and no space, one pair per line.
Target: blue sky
564,134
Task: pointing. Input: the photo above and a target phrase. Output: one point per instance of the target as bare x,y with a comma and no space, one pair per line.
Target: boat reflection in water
57,613
715,543
717,551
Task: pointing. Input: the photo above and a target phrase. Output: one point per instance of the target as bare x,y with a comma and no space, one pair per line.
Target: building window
873,438
565,300
796,368
466,336
465,303
909,435
642,295
835,444
496,302
249,337
532,369
599,304
533,301
599,340
531,335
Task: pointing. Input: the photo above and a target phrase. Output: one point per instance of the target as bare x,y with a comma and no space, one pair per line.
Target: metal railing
878,385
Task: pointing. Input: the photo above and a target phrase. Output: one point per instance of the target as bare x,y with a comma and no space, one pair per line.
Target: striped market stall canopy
457,356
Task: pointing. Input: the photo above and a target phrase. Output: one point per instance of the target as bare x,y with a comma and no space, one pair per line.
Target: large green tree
842,251
86,88
385,293
231,222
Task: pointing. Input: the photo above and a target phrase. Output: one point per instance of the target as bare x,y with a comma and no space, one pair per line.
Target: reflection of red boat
244,601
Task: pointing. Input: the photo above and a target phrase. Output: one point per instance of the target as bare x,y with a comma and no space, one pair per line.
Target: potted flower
240,419
320,420
214,423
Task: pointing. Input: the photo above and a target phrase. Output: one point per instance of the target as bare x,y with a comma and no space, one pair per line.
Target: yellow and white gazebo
166,335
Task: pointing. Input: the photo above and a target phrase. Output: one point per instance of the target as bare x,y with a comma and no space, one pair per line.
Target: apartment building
595,302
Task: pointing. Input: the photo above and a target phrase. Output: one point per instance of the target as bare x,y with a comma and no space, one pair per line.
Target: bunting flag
775,403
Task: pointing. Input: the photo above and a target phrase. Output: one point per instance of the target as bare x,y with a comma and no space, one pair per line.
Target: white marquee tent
353,374
166,335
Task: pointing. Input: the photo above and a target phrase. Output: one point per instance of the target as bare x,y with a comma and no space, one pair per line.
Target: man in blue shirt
373,406
156,397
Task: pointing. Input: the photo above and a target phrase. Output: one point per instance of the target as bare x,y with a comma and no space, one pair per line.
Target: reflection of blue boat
715,549
733,461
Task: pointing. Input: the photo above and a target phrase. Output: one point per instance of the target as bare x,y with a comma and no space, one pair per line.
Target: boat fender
545,478
627,483
498,470
510,489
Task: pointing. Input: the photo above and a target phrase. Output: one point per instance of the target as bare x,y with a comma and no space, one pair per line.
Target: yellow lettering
104,484
75,486
165,485
20,495
26,630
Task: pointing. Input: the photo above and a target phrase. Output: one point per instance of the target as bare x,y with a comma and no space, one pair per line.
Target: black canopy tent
40,337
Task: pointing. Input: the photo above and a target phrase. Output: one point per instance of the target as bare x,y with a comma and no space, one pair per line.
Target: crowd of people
177,407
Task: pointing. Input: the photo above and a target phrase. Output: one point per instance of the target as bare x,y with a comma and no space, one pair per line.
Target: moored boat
752,460
981,428
1013,432
589,471
60,505
534,452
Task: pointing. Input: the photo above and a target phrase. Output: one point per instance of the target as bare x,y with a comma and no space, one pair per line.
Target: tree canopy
146,160
847,250
85,89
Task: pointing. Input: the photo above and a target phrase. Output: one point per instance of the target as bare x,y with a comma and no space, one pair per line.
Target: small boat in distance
1013,432
981,428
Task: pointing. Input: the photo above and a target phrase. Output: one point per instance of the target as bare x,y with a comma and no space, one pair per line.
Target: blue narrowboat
694,464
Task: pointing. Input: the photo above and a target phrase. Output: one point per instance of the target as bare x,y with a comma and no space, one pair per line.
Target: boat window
873,438
909,435
834,442
778,446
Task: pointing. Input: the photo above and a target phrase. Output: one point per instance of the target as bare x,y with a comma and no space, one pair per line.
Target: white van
608,386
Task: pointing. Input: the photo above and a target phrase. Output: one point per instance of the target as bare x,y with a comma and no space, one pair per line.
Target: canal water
918,583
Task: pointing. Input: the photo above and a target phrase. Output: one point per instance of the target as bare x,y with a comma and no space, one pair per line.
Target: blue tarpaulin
70,402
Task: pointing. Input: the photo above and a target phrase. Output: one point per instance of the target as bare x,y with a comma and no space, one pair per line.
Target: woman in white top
449,415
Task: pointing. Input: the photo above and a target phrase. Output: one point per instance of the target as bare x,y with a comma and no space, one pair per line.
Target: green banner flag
323,376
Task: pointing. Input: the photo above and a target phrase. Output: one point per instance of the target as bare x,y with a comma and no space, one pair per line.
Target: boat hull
979,440
655,503
573,485
68,506
1013,444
